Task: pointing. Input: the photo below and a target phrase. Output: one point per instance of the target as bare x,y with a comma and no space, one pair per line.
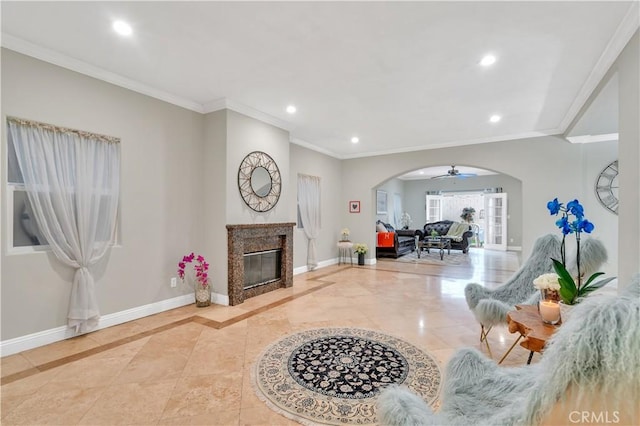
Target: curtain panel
72,180
309,204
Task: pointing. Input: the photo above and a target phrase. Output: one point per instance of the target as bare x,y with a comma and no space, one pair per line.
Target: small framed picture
354,206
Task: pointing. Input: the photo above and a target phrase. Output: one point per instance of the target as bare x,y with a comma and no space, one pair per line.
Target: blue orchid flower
554,206
563,223
584,225
575,208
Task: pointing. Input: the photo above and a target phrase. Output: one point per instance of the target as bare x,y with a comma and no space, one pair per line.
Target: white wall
329,169
548,167
628,67
245,135
161,180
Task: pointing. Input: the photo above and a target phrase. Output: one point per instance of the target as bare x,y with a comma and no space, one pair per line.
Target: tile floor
192,366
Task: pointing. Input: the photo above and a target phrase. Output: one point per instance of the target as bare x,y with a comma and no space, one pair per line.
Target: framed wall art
381,202
354,206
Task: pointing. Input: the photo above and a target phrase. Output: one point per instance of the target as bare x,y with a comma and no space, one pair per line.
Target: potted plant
572,290
361,249
202,287
467,214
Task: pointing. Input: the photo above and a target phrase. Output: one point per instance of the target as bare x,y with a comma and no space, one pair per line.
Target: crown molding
593,138
630,23
549,132
26,48
312,147
224,103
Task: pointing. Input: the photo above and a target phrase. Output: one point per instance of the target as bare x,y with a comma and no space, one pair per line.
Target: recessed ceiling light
291,109
488,60
495,118
122,28
355,139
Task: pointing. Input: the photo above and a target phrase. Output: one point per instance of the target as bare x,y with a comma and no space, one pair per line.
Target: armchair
590,369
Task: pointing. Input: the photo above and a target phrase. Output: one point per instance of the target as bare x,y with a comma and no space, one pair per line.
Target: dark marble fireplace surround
253,238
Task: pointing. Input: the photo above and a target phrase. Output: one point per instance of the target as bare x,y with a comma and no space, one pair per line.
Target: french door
495,225
434,208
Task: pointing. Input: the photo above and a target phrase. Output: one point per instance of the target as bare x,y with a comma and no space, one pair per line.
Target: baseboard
323,264
30,341
220,299
514,248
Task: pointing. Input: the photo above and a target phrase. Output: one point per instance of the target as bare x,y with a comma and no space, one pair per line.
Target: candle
550,311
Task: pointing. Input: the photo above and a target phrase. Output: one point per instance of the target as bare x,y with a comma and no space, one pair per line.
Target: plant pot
360,258
203,295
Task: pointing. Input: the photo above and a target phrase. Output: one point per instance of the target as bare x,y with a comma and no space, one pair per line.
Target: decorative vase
565,311
203,294
360,258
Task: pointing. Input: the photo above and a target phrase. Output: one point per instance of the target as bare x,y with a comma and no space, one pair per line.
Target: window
23,229
24,234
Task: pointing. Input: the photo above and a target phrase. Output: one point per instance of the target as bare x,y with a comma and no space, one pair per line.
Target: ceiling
401,76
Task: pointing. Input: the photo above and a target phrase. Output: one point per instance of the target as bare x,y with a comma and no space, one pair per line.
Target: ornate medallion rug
334,375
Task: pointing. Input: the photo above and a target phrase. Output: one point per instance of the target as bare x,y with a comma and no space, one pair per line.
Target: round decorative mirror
259,181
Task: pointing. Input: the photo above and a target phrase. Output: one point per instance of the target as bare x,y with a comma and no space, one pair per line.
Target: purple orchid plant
201,268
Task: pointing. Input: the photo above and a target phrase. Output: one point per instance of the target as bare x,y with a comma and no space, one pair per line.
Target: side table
526,320
344,252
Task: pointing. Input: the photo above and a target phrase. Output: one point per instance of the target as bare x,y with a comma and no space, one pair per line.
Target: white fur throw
491,306
597,352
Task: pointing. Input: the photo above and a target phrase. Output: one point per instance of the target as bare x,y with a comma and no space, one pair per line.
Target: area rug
334,375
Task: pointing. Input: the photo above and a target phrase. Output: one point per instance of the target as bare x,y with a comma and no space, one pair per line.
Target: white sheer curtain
72,179
309,204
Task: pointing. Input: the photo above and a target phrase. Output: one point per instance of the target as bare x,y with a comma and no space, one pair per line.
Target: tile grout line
217,325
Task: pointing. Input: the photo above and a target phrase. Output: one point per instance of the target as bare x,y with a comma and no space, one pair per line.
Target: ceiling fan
454,173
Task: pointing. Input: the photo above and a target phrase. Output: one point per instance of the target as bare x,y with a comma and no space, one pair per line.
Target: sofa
442,228
400,241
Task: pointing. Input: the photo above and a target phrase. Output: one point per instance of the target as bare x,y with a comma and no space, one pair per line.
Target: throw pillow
380,227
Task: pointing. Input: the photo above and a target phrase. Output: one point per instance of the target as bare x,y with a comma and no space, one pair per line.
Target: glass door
495,225
434,208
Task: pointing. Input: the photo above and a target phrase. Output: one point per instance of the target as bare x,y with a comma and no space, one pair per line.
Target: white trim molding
593,138
30,341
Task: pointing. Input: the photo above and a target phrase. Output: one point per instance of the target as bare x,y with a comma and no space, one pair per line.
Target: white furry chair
490,307
589,373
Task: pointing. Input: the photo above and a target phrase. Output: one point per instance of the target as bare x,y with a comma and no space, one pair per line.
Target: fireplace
260,259
262,268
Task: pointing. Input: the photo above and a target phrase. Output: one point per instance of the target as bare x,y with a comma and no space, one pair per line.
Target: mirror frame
249,164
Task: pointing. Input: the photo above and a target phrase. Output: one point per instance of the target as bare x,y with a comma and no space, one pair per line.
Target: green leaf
568,291
593,277
586,290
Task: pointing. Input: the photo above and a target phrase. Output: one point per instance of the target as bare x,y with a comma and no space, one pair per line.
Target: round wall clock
607,187
259,181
